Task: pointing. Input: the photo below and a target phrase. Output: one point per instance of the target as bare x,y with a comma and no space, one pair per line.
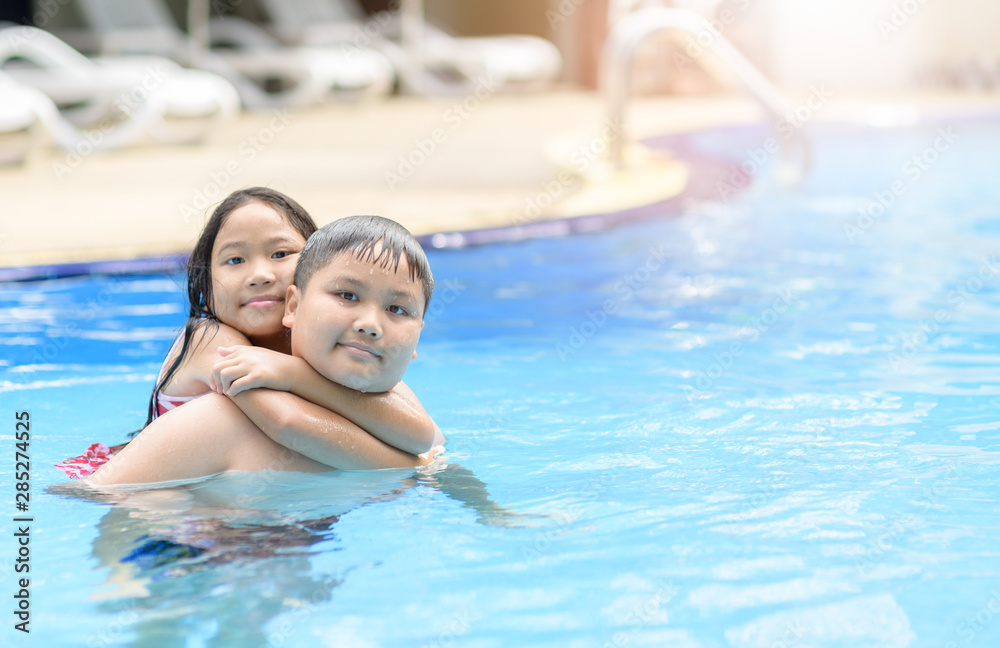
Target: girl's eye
234,260
397,310
349,296
282,255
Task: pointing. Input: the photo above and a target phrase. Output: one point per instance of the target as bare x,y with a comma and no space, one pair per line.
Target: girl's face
253,262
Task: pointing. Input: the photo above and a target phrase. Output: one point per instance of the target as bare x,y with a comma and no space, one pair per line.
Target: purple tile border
441,240
544,229
152,265
705,173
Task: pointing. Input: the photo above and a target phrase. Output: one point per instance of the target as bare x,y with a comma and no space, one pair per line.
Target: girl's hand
250,367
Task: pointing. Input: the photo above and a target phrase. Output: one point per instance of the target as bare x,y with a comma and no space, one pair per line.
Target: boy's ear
291,305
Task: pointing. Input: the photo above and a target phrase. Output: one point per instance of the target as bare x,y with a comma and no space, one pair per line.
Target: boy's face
357,323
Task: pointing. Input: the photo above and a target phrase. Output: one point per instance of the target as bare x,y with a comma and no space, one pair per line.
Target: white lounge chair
338,74
427,59
121,99
265,73
26,108
17,120
517,62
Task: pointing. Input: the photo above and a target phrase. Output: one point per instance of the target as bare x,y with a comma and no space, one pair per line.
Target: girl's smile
265,301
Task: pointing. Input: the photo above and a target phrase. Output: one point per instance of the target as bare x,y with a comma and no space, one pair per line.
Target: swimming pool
764,421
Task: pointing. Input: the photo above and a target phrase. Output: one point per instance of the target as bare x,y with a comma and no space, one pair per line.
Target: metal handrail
634,29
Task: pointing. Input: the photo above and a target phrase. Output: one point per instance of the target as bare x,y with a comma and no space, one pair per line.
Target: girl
238,275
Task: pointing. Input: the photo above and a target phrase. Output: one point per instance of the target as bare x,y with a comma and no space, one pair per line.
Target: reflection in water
220,560
207,578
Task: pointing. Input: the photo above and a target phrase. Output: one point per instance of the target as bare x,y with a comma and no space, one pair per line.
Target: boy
355,310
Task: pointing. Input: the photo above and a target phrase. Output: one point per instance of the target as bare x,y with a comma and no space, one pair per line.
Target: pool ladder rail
636,27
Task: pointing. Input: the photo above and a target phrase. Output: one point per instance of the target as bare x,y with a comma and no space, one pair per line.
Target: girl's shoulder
209,335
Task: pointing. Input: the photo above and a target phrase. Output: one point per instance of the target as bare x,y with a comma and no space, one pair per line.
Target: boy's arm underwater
396,417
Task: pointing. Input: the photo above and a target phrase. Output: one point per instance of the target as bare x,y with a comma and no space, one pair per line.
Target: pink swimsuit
165,403
98,454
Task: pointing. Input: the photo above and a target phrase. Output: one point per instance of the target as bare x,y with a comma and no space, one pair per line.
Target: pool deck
430,164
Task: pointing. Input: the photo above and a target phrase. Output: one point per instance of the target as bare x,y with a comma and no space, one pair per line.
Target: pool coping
441,240
542,228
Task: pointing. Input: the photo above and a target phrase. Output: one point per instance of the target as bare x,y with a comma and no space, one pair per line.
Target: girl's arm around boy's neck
194,376
319,434
396,417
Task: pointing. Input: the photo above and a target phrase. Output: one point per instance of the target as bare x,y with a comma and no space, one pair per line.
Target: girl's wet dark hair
199,267
359,235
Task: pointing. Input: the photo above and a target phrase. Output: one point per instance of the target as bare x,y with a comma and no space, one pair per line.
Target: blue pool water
766,421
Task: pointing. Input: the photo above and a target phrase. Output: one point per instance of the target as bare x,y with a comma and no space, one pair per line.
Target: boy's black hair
199,267
359,235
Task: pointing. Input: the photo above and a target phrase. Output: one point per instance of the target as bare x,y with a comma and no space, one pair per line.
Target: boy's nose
367,324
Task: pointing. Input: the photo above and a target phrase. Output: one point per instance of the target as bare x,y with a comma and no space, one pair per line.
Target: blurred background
863,44
447,115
